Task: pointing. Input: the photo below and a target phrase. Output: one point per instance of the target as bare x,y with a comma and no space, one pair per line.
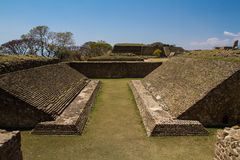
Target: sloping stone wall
157,121
38,94
198,89
115,69
15,113
72,121
228,144
6,67
10,145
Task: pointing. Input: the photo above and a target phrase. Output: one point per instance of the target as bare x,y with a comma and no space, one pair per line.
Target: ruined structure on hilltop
185,90
141,49
234,46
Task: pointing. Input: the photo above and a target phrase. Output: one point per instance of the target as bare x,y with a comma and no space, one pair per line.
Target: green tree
95,48
158,53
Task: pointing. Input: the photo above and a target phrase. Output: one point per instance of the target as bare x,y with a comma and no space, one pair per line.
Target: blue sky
193,24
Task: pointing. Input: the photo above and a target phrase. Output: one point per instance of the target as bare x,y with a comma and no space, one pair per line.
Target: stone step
157,121
73,119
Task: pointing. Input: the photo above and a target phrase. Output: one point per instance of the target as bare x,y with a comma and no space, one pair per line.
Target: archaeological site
180,97
119,80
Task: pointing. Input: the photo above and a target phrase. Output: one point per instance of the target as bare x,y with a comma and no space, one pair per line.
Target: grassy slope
14,58
116,58
224,55
115,132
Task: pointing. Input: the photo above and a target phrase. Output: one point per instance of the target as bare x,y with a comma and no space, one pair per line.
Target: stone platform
10,145
157,121
74,117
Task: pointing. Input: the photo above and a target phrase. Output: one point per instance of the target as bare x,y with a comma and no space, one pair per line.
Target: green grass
130,44
115,132
116,58
223,55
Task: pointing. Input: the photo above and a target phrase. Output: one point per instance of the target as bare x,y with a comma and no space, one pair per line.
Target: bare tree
64,39
15,47
59,41
40,34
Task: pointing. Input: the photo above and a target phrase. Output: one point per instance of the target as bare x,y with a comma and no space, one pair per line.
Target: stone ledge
115,69
159,122
73,119
10,145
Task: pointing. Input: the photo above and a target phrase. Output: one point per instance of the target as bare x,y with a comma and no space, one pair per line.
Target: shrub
65,54
158,53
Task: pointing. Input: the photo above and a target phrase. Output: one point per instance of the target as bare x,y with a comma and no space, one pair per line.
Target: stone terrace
74,117
209,86
157,121
184,91
45,91
44,87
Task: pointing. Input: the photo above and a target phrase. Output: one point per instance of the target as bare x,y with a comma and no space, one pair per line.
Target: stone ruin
10,145
55,99
148,50
228,144
235,44
183,95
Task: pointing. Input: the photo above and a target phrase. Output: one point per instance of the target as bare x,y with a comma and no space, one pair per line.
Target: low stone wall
72,121
6,67
10,145
115,69
228,144
157,121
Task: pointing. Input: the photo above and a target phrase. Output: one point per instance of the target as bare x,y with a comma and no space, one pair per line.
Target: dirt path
115,132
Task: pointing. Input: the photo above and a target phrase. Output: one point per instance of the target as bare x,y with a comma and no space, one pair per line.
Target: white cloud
226,33
216,42
211,42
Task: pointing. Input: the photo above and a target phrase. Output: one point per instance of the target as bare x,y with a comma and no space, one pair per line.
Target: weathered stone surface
157,121
74,117
37,94
115,69
228,144
10,145
198,89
